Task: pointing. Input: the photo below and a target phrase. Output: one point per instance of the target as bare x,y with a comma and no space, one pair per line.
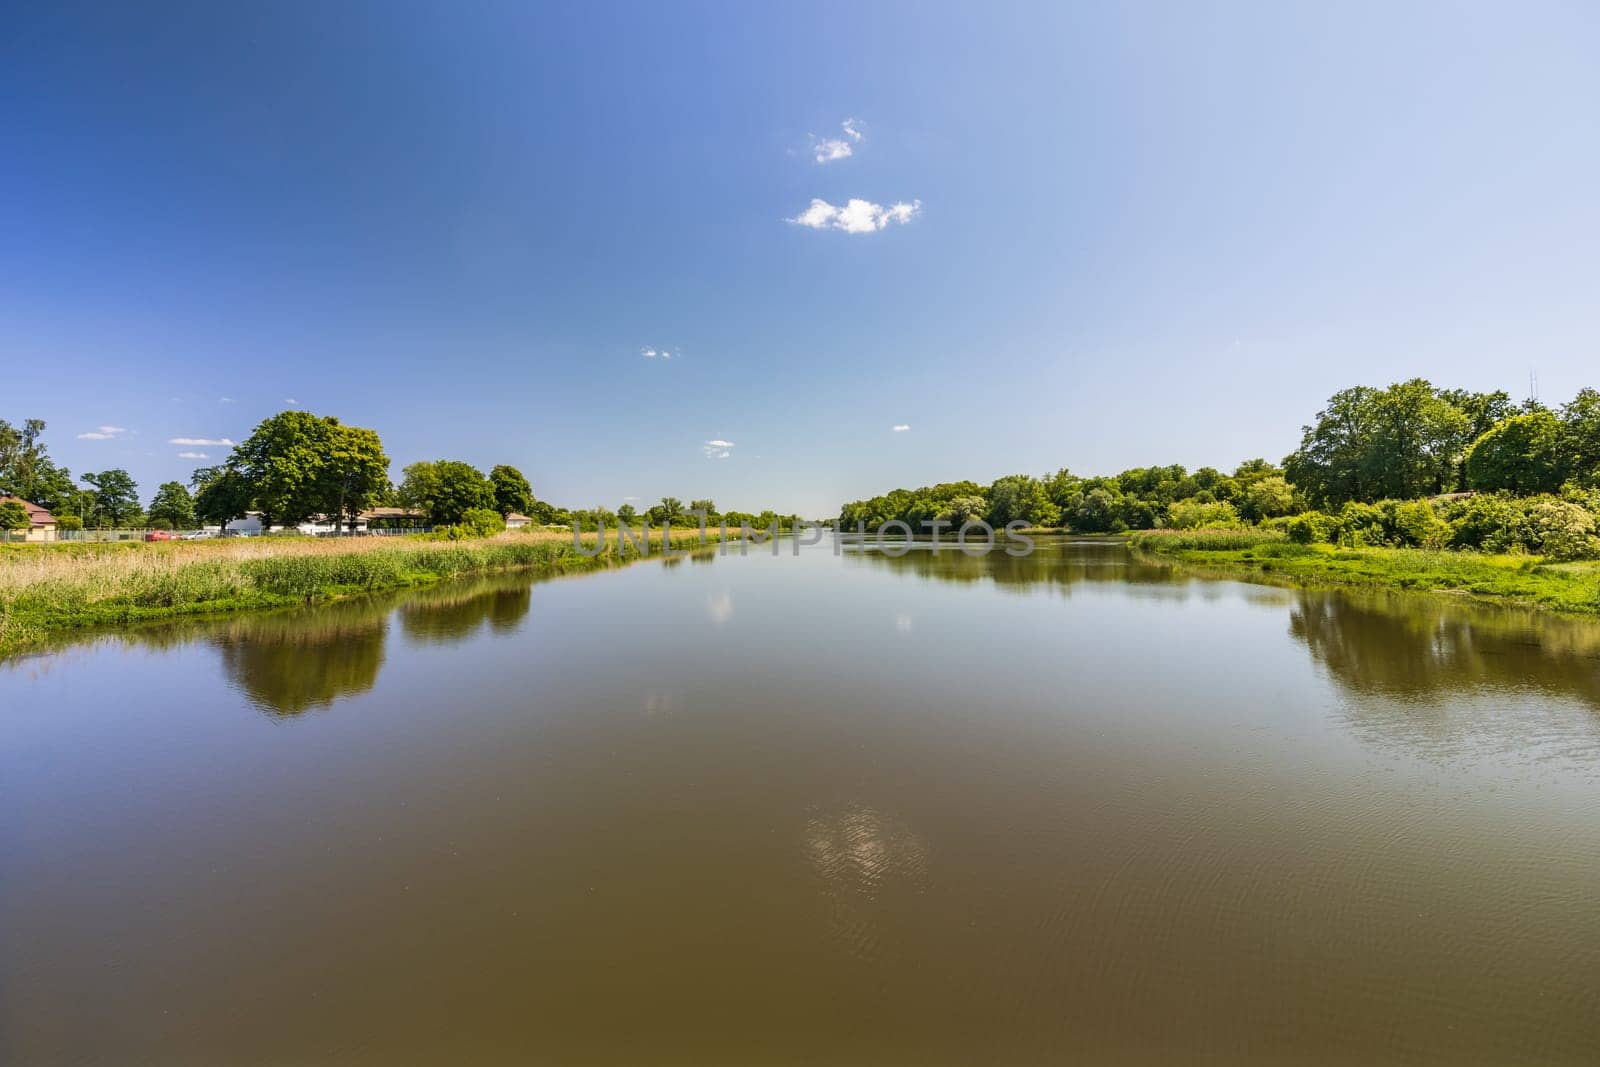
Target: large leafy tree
1020,497
27,471
512,493
1521,454
354,474
1580,437
173,505
445,490
298,466
116,495
1368,444
221,495
281,461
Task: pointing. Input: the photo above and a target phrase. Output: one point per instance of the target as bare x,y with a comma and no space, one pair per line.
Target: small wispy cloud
832,149
224,399
103,433
717,449
856,216
900,427
193,455
628,498
656,353
291,401
219,442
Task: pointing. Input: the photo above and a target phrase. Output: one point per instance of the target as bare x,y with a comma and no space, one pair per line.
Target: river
840,809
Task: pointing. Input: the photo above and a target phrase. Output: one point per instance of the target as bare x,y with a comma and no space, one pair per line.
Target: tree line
1367,447
295,467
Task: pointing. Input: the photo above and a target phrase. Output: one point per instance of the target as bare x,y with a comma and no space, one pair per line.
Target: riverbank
1572,588
47,589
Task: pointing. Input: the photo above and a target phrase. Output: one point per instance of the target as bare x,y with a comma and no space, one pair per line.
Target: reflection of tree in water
1054,562
450,613
291,661
1424,646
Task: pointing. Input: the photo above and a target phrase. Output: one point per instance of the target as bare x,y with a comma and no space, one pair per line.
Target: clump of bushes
1203,515
1559,528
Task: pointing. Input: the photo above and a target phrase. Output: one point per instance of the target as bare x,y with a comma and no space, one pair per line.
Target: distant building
41,524
515,521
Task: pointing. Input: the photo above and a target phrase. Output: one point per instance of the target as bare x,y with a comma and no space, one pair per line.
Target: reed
48,588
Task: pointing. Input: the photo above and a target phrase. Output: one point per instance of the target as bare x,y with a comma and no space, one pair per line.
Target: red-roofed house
41,524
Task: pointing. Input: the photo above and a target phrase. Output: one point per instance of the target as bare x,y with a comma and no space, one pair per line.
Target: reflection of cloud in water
719,608
862,856
902,623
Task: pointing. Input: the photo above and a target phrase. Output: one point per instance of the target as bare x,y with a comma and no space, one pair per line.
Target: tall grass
46,588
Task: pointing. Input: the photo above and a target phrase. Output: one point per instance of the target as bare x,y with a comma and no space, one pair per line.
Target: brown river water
833,809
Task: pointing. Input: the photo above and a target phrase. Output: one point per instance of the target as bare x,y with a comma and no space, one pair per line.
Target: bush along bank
1553,584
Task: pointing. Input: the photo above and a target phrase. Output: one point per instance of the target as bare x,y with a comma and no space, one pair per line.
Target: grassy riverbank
45,589
1565,587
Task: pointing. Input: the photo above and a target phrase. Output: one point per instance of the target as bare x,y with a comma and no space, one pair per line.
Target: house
514,521
41,524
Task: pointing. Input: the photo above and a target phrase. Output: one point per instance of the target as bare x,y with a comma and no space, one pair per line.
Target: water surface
830,809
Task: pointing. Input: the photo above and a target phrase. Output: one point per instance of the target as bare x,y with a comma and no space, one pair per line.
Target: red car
160,535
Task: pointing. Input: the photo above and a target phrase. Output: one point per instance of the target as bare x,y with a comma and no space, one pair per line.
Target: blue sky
1129,234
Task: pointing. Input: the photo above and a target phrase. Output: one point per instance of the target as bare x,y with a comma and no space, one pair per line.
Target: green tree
13,516
282,462
221,495
173,505
354,474
1580,437
707,506
1266,498
1369,444
627,513
27,471
670,510
512,493
116,495
1020,497
1521,454
445,490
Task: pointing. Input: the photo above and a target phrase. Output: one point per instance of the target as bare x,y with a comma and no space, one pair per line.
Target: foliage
482,522
116,495
1368,444
13,516
1313,527
26,469
172,505
296,466
1521,454
445,490
512,493
68,523
1198,515
221,495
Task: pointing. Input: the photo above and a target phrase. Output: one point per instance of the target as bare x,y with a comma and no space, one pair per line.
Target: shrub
68,522
1562,530
1313,527
1194,515
482,522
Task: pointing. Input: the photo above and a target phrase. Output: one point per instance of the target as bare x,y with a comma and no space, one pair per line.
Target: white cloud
900,427
718,449
857,215
193,455
656,353
627,498
221,442
291,401
832,149
103,433
225,400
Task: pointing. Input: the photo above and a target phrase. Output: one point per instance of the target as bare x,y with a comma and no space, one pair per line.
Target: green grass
45,590
1573,588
